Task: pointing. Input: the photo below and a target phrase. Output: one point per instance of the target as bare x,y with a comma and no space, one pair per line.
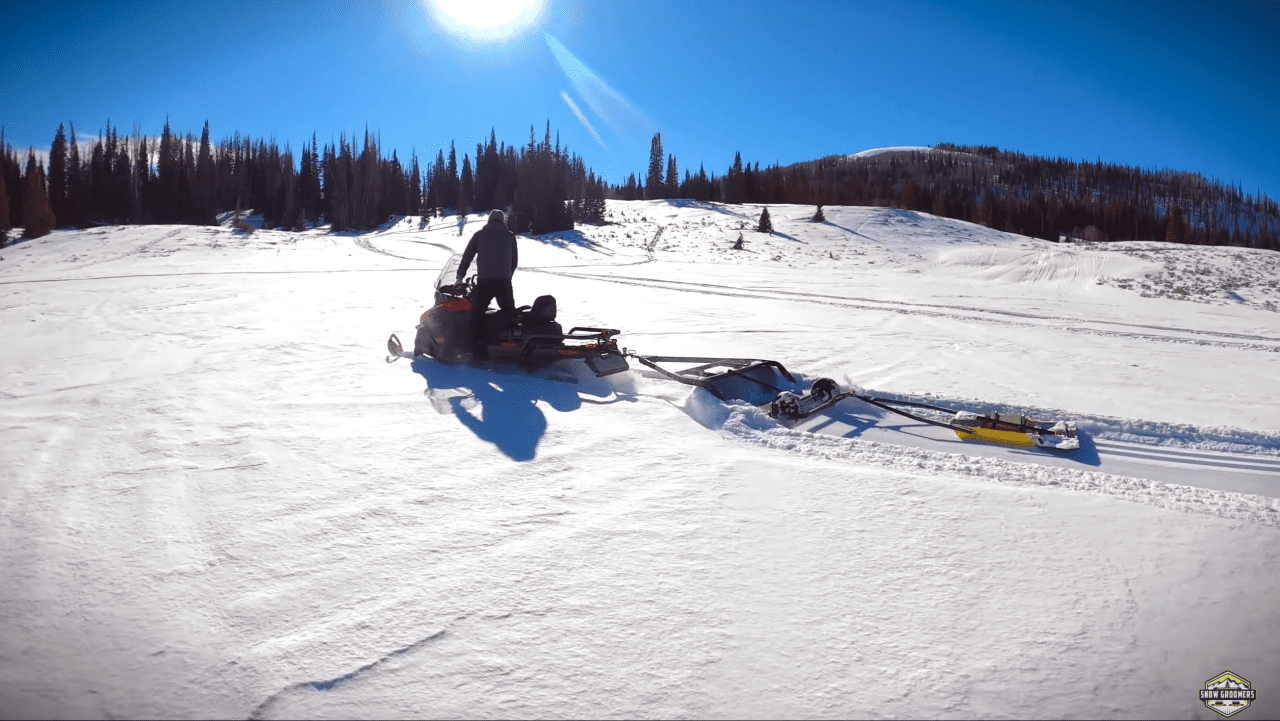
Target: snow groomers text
1228,693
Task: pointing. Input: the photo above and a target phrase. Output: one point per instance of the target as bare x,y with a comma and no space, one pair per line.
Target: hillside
223,502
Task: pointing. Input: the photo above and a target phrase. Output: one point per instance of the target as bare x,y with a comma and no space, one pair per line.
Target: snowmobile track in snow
369,246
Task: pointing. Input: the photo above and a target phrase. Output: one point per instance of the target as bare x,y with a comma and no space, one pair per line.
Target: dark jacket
497,248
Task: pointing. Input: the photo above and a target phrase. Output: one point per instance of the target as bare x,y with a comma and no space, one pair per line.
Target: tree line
349,184
1033,196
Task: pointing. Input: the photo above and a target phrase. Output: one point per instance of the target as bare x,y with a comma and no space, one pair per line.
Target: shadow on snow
704,205
564,238
509,414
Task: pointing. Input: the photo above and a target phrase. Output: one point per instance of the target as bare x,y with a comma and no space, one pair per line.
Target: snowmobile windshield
449,274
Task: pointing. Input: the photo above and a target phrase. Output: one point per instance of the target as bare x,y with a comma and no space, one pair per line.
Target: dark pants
487,289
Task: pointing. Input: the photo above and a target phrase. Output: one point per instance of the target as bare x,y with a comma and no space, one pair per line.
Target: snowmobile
530,337
990,426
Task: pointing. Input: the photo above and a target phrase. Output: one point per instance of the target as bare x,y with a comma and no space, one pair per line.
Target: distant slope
1035,196
903,150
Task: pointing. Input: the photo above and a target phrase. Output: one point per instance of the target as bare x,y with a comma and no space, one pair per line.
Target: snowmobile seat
540,319
543,310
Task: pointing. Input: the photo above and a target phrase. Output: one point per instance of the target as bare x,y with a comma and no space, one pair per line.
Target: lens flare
486,19
617,112
582,118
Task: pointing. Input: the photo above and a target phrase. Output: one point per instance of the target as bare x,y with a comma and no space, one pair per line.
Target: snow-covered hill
901,150
218,500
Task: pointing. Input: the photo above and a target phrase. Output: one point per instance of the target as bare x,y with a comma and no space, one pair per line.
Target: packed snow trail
1220,471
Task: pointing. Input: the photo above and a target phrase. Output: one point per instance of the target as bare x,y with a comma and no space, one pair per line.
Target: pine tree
988,209
75,181
166,179
5,225
58,174
141,180
673,178
395,188
206,212
312,186
818,217
487,171
108,189
734,185
1177,232
910,195
431,200
96,191
187,181
466,188
37,214
737,244
306,170
415,187
1051,211
593,204
653,183
366,186
766,225
287,208
450,199
338,168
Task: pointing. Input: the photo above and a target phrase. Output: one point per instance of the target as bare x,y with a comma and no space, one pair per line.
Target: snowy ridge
904,150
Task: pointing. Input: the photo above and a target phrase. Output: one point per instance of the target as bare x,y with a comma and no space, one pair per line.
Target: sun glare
486,19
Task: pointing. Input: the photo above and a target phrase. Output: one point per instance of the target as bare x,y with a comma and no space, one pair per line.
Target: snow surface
218,500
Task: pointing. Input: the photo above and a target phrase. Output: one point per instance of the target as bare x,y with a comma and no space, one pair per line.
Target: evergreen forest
351,184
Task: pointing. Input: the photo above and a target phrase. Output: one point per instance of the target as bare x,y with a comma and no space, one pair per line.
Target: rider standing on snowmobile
498,260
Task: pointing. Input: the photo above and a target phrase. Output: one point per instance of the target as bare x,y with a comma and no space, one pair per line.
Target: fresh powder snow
219,500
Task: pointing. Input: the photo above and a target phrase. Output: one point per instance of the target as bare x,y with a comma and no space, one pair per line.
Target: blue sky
1192,86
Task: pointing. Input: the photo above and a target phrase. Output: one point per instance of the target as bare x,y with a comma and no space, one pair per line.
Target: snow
219,500
904,150
892,151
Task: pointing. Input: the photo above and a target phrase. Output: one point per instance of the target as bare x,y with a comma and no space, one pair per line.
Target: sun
486,19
